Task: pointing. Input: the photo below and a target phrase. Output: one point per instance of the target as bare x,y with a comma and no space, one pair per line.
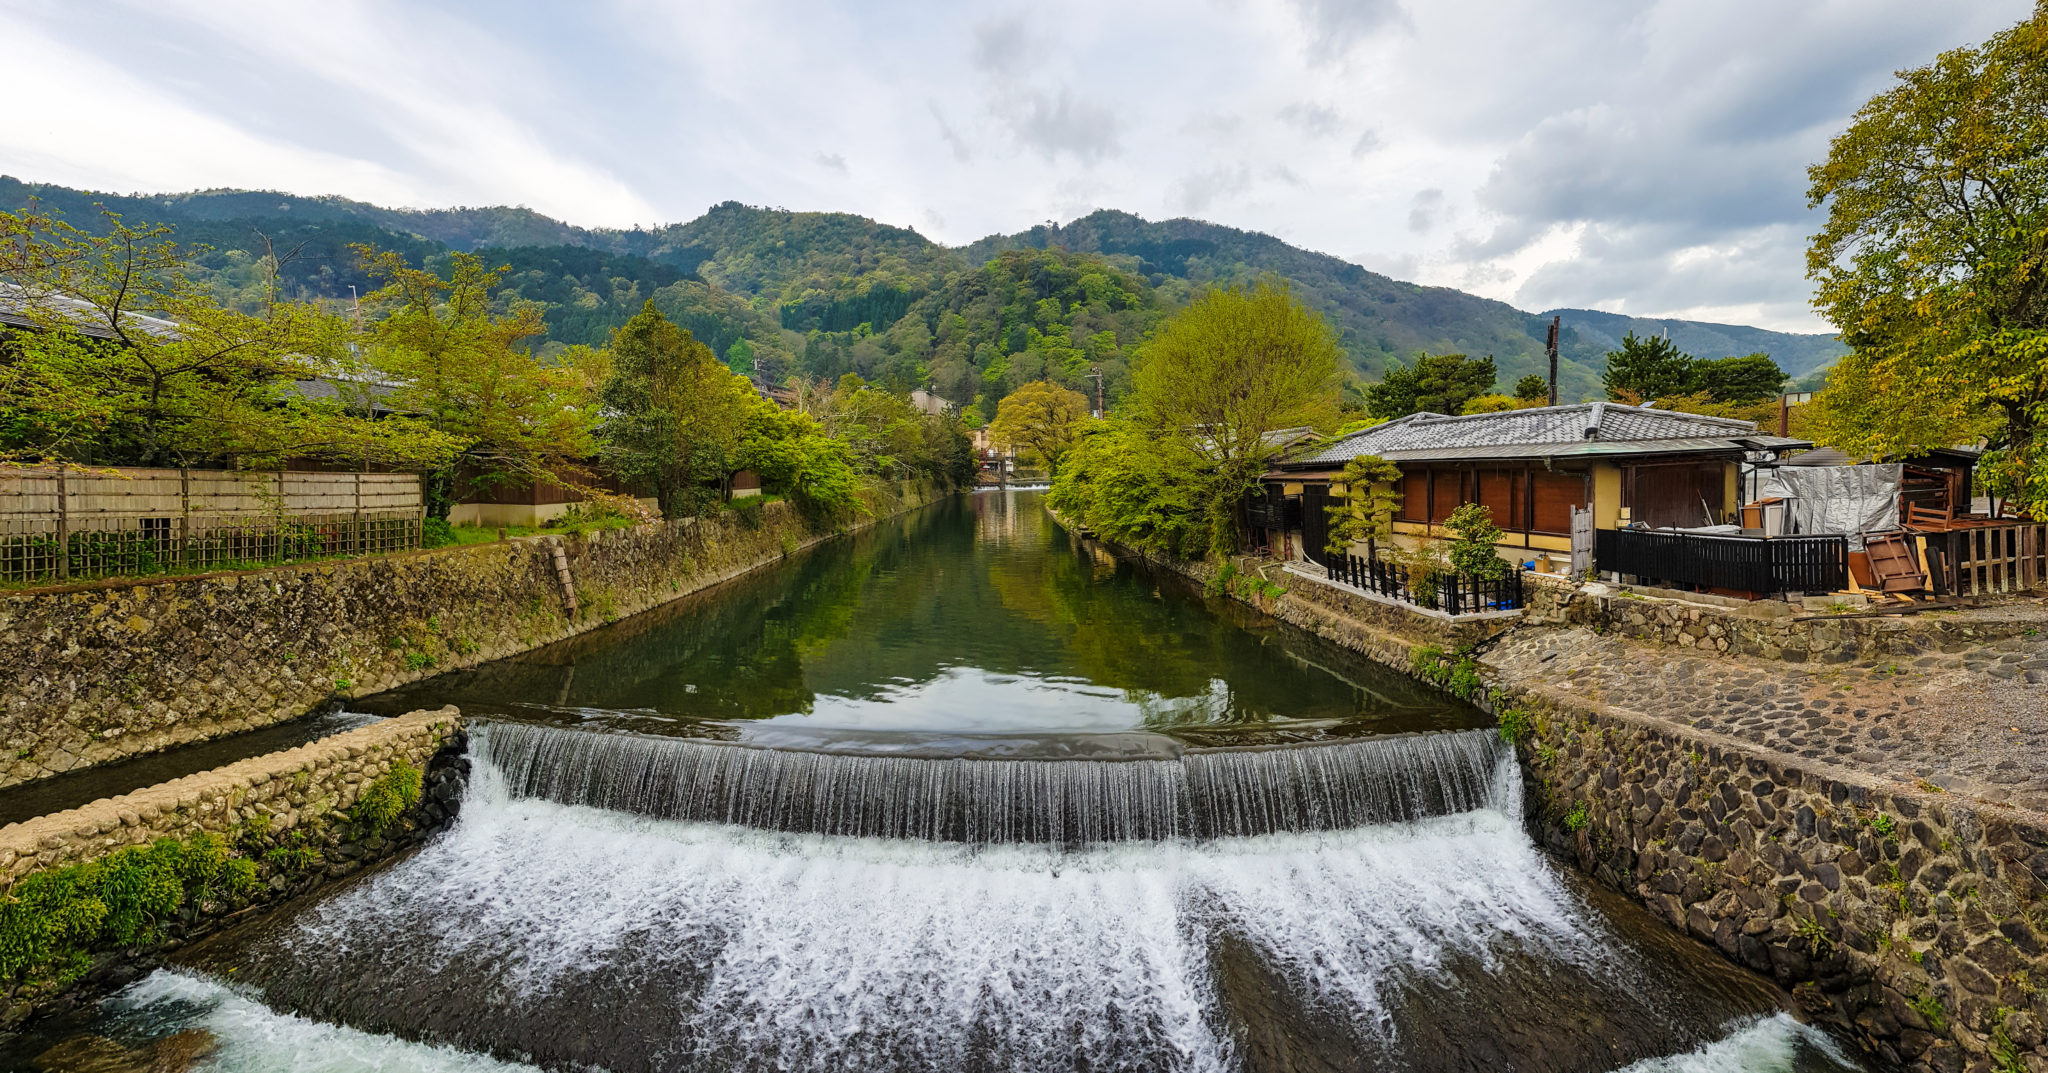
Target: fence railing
72,524
1455,594
1814,565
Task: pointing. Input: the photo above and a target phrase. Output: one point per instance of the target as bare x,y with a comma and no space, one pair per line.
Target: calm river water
958,793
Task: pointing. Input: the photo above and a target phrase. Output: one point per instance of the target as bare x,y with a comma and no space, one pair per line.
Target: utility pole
1096,374
1550,347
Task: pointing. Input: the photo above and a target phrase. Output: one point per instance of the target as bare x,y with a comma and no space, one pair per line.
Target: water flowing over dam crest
648,877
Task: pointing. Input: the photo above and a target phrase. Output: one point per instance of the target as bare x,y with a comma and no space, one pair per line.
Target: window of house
1554,496
1414,495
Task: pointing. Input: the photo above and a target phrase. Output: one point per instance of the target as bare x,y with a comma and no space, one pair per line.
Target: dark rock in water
176,1053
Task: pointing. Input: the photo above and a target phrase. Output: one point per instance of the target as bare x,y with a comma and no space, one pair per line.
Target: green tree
674,413
1436,383
465,370
1473,552
1752,378
1647,368
1136,485
1040,417
1232,366
132,362
1372,492
1532,387
1931,262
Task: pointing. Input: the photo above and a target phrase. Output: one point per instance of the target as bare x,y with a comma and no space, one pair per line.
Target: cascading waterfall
1203,794
583,914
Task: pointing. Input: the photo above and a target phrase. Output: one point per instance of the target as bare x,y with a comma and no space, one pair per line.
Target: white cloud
1645,155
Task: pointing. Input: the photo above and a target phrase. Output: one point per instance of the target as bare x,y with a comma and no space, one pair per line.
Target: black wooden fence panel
1767,565
1456,595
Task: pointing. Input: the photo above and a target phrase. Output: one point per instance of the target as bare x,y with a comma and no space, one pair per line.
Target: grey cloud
832,160
1367,142
1004,45
1315,120
1654,268
1201,189
1424,209
950,136
1335,26
1052,123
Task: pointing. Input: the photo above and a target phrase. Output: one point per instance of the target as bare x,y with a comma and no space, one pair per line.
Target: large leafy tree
467,368
130,362
1041,417
675,415
1436,383
1931,262
1647,368
1230,367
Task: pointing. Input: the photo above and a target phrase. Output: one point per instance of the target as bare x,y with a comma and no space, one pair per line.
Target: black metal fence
1456,594
1814,565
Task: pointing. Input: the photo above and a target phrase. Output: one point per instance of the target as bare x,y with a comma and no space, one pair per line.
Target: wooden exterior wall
80,496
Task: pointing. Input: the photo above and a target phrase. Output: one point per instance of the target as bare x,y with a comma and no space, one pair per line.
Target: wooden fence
68,522
1755,566
1982,560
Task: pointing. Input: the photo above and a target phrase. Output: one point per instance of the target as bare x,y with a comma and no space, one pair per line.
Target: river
960,792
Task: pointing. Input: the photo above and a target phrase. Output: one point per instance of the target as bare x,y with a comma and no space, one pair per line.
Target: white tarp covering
1837,499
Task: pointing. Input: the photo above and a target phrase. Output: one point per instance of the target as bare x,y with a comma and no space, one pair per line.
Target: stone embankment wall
95,673
1915,921
1767,629
210,845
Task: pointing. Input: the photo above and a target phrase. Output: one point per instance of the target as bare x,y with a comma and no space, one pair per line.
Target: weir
1161,844
1203,794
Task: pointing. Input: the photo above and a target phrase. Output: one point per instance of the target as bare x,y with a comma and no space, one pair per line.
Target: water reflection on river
974,618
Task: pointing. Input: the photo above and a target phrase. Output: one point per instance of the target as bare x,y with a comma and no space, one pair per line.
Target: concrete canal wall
100,672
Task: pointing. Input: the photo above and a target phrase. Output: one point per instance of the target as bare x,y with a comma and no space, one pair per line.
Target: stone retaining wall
289,821
1764,629
95,673
1915,921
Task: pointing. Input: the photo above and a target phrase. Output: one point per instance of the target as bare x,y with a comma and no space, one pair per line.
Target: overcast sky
1640,157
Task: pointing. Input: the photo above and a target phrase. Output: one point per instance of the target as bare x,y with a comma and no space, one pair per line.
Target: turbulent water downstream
1200,876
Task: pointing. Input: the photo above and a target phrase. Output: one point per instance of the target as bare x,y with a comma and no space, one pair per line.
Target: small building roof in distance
1583,429
20,309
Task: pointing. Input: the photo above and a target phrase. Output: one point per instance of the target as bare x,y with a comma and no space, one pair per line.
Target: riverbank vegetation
122,357
1221,377
1934,263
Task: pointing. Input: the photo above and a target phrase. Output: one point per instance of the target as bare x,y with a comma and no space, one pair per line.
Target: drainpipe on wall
562,576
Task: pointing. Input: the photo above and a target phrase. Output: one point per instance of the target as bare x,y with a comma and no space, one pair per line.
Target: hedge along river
959,793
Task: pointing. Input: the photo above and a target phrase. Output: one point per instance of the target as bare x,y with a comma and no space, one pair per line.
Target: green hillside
821,294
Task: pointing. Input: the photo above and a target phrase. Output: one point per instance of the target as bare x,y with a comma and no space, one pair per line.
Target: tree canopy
1931,262
132,362
1042,418
674,414
451,358
1435,383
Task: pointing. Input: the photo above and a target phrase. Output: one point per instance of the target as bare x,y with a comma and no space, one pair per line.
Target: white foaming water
252,1038
844,953
1766,1045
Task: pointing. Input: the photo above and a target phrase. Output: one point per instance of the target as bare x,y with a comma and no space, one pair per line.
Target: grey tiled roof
1548,431
19,308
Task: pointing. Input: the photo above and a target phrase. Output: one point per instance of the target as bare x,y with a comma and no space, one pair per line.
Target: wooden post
1550,347
357,544
184,513
279,489
63,526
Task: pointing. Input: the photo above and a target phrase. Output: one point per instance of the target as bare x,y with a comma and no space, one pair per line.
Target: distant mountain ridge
805,273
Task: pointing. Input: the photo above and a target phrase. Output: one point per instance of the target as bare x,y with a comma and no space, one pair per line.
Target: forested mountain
823,294
1589,333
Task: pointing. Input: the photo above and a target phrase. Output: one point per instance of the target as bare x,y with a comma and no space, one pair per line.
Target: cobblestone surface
1971,722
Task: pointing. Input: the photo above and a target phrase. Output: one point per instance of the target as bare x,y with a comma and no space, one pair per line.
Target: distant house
1534,468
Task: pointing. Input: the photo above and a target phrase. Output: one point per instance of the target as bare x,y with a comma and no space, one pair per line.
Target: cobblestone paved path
1971,722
